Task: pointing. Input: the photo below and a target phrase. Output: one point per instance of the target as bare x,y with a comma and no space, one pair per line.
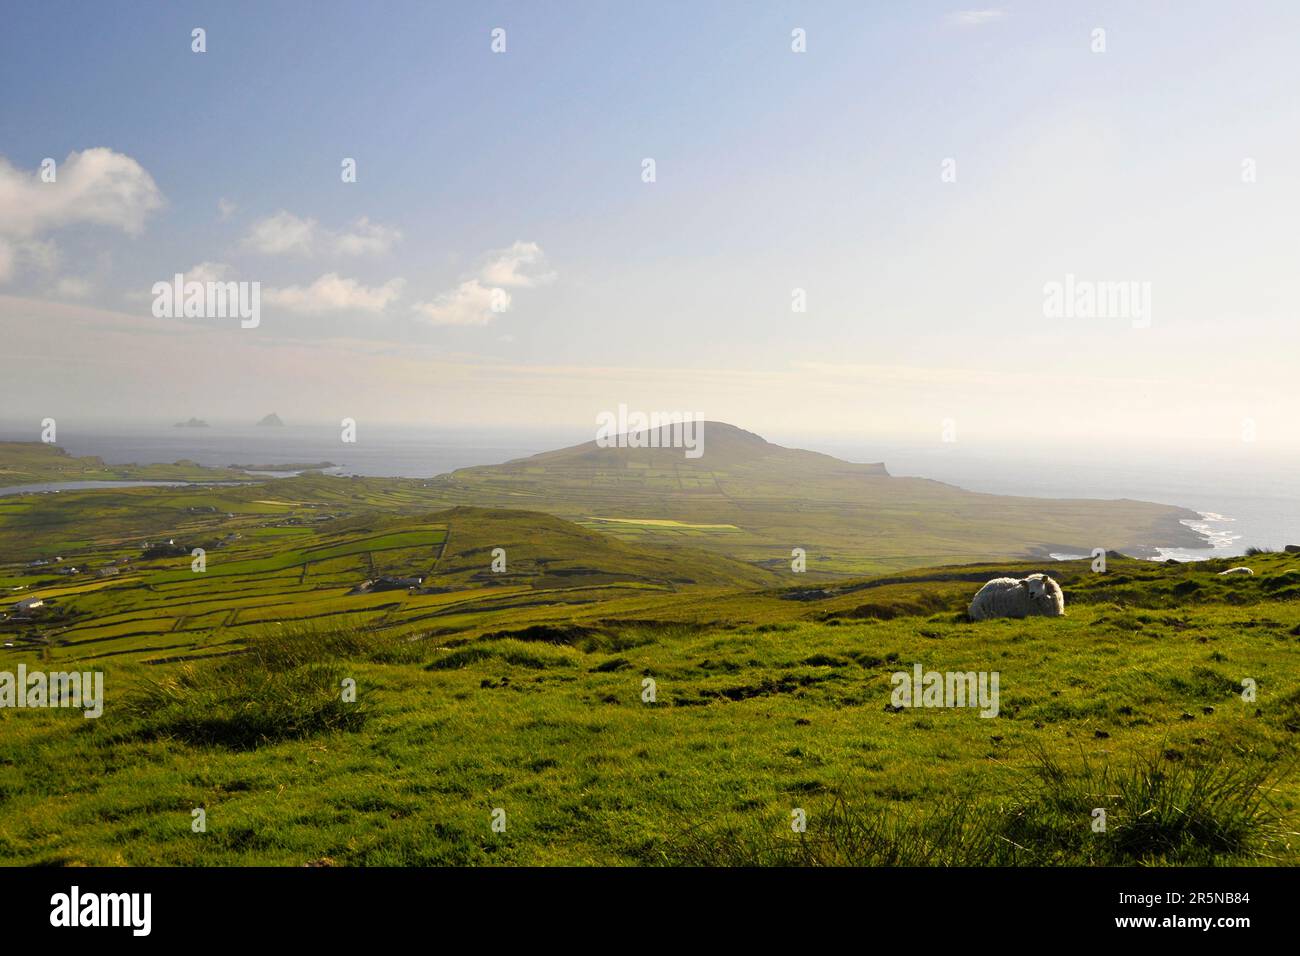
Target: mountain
271,421
719,445
749,498
192,423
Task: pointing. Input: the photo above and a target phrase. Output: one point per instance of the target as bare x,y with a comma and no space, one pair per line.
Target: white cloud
97,186
207,272
518,265
973,18
285,233
470,303
200,272
366,238
479,299
282,233
225,208
332,293
94,187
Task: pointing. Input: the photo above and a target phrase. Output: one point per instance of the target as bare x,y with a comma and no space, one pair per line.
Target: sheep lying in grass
1015,597
1236,571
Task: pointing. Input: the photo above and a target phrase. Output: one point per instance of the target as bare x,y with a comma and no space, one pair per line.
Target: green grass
764,705
287,685
523,690
1185,813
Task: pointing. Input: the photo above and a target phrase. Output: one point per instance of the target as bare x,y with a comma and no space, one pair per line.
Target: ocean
1244,499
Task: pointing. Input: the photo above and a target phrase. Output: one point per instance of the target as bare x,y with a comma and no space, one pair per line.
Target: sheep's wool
1018,597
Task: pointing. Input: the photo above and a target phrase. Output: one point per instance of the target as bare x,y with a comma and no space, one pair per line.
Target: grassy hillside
768,701
279,567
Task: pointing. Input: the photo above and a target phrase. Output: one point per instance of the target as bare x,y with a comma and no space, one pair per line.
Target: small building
29,604
387,583
163,549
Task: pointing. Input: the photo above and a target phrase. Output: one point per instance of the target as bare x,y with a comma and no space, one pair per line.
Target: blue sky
775,171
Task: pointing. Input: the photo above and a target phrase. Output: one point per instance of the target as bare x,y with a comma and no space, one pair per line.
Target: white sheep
1236,571
1015,597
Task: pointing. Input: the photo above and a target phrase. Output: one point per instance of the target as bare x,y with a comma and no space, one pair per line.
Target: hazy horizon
1273,453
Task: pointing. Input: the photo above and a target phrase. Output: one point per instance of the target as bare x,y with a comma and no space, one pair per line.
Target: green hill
751,499
27,462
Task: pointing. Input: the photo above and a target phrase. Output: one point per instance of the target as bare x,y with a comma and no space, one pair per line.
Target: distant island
272,420
192,423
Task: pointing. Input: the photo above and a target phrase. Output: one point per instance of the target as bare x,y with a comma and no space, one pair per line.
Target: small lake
44,487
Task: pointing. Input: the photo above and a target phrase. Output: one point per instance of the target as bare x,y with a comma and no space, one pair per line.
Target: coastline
1194,537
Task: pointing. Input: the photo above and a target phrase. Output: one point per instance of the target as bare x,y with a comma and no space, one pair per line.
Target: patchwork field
127,575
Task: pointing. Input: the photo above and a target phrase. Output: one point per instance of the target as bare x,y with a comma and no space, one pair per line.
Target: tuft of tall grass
518,653
1186,812
289,684
1157,812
